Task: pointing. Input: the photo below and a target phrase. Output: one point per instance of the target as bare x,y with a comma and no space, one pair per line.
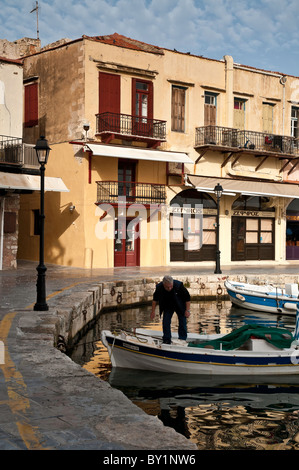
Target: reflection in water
215,413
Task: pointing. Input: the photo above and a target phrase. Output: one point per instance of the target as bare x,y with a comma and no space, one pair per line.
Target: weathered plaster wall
11,99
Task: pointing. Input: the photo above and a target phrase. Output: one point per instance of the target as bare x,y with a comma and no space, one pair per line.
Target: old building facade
141,135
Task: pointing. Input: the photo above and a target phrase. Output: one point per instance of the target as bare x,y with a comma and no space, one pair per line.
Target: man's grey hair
168,279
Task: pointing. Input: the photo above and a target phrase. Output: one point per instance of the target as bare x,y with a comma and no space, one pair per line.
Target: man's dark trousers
166,322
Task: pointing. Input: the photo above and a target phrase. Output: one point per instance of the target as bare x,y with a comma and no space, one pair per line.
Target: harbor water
215,413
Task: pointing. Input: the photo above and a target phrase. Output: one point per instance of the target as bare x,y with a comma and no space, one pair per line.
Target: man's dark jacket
179,297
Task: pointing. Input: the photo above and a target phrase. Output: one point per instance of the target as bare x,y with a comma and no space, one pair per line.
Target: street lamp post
42,152
218,190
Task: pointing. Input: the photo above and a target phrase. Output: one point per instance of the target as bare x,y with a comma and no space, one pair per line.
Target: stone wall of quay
74,313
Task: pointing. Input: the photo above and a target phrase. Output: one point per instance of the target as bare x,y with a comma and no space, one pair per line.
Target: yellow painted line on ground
18,400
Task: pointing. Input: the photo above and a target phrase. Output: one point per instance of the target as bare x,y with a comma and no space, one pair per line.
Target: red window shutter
31,105
150,100
133,96
109,93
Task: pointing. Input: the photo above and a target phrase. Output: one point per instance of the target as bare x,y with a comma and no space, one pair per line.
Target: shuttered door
239,114
210,123
210,115
267,118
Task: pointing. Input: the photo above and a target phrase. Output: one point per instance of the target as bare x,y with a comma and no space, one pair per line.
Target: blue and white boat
264,298
251,350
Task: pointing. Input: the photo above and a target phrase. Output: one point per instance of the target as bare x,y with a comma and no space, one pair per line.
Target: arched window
193,197
253,203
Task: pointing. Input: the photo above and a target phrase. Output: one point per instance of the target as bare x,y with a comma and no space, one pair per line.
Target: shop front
192,227
253,229
193,237
256,206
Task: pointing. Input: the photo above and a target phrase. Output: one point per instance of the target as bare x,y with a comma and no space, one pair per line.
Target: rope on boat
127,333
133,333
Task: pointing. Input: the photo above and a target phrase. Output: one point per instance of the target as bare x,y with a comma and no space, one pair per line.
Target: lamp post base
217,267
41,307
41,304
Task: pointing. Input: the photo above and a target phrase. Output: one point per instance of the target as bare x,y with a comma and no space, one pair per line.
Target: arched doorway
292,230
253,229
192,227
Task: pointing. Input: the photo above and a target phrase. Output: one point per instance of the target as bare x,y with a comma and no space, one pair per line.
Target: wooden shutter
31,105
210,115
178,109
239,114
267,118
109,93
150,111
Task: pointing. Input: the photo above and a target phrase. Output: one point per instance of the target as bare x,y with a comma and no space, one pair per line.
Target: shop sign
186,210
244,213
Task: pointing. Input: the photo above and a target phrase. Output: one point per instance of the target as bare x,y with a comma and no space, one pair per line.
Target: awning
248,188
30,182
138,153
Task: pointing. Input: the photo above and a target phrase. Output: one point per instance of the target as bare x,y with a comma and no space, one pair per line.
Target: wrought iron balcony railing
130,192
127,125
215,135
261,141
13,151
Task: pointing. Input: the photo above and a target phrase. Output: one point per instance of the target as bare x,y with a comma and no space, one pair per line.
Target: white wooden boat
264,298
250,350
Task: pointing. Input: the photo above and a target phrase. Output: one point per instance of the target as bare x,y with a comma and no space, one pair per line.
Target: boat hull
125,353
270,302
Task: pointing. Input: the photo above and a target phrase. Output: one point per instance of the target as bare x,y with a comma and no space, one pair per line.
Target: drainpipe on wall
282,81
229,84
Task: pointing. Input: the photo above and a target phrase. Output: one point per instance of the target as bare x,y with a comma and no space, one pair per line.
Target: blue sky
258,33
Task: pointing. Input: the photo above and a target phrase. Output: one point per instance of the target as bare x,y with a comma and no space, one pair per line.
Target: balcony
14,152
134,193
113,125
259,142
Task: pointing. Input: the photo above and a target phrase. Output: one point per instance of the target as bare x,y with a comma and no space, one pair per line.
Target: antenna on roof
36,9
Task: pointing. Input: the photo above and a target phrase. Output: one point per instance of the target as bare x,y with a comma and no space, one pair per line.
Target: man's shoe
166,341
